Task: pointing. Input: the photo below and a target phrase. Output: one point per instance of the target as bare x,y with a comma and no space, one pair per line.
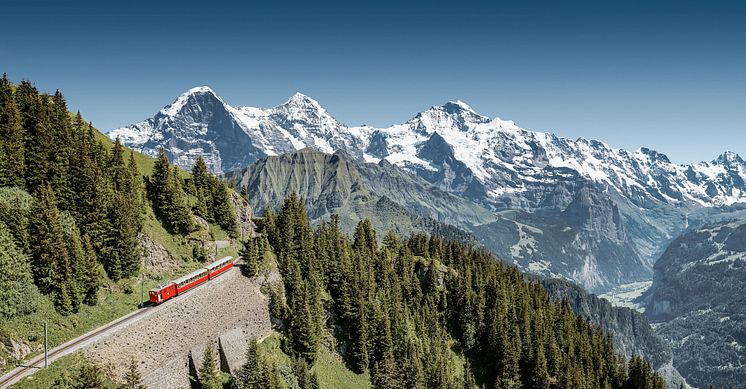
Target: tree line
172,204
424,312
72,207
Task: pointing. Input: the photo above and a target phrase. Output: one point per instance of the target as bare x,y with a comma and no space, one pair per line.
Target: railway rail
69,347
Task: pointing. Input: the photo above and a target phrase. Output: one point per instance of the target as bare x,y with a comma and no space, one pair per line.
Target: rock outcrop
155,257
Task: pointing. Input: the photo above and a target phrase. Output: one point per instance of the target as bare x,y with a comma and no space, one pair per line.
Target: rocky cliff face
330,184
698,304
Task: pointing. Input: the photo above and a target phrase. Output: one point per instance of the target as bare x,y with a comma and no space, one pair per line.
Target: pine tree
125,215
50,261
18,294
75,257
221,206
12,158
63,142
202,190
133,378
200,207
209,376
93,190
118,170
304,339
302,373
90,377
269,377
469,382
91,273
250,255
123,258
168,198
38,142
250,376
269,227
200,174
15,210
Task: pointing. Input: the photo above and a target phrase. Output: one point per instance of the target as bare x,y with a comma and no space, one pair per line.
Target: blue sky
667,75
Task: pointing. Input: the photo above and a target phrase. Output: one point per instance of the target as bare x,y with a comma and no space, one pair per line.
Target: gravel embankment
161,341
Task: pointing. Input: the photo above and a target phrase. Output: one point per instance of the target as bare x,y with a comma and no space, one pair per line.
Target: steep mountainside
200,123
697,298
330,184
586,243
632,334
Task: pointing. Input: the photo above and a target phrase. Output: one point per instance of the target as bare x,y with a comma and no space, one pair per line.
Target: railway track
32,365
66,348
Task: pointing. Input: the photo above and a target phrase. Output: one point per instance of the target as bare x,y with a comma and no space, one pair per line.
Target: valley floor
625,295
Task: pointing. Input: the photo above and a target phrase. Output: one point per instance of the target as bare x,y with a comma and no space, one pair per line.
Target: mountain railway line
67,348
30,367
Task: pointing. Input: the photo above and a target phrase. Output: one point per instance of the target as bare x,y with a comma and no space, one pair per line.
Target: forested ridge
424,312
71,207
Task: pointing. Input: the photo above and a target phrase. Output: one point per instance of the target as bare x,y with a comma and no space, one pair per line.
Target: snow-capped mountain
467,152
588,212
199,122
450,145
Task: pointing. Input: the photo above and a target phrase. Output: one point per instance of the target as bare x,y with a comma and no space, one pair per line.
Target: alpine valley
577,210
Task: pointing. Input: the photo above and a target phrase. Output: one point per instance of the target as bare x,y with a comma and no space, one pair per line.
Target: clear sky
667,75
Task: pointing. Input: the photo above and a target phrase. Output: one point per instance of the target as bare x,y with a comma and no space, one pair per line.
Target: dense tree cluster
256,373
213,200
86,206
166,193
429,313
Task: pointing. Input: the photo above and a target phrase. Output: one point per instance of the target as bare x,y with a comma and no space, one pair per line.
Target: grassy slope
329,368
45,378
115,299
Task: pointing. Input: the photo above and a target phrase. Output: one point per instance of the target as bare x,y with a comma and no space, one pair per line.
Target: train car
162,293
190,280
219,267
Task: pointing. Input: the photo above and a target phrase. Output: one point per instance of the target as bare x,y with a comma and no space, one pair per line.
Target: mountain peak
200,89
461,109
181,101
728,158
299,99
457,105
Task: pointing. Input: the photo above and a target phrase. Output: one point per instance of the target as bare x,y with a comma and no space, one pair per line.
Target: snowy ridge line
493,151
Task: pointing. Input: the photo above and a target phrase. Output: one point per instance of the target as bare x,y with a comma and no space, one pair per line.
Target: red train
189,281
